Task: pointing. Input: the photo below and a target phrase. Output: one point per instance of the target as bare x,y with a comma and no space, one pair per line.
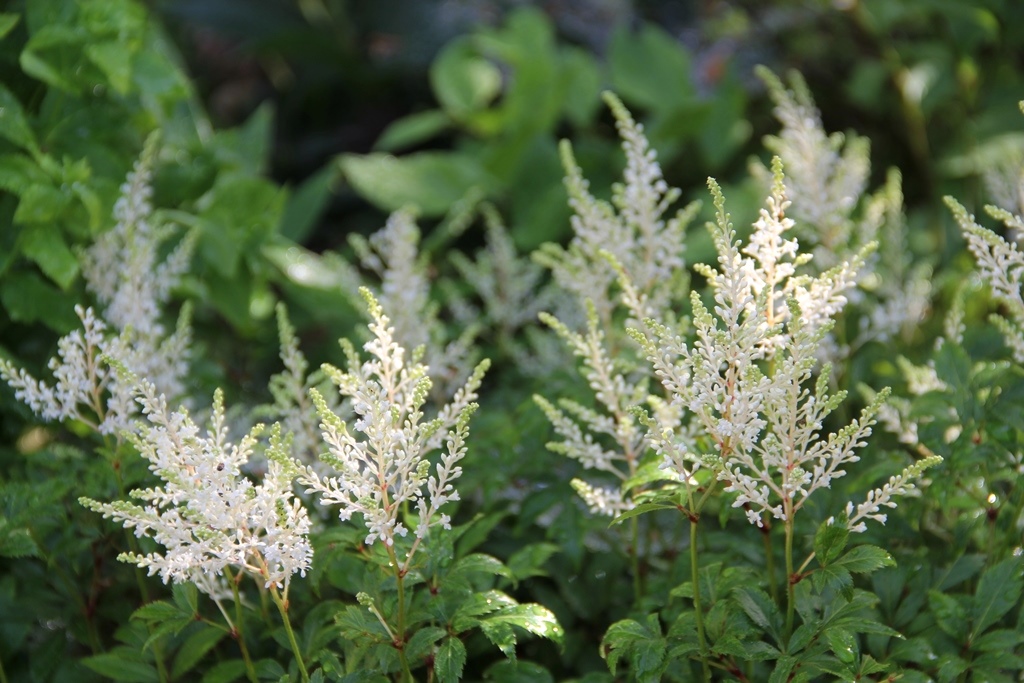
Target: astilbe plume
1001,265
207,514
122,268
632,237
386,469
826,179
392,255
748,377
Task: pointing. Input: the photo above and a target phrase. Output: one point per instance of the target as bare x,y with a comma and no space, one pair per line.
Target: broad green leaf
14,126
762,610
430,181
412,130
158,611
642,644
422,642
833,578
478,563
529,561
843,644
193,649
536,619
307,203
865,559
950,613
118,667
650,68
18,173
517,672
478,605
186,596
51,53
17,543
225,672
45,245
28,298
641,509
40,204
830,540
115,59
999,640
950,668
8,20
463,81
783,669
581,79
449,660
999,590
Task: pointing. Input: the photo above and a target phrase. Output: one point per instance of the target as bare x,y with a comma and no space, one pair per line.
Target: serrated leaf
517,672
172,626
193,649
782,670
40,204
529,561
44,244
950,613
158,611
225,672
843,644
865,559
762,610
833,578
999,589
531,617
422,642
643,644
115,60
186,596
449,660
829,541
14,125
118,667
999,640
479,563
18,543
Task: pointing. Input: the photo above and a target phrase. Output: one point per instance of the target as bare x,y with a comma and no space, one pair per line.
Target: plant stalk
283,609
790,583
237,630
697,608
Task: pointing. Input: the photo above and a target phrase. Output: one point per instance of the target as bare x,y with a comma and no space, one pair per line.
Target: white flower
206,514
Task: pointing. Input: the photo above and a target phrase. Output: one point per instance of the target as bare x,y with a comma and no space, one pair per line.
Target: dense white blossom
122,268
385,470
207,514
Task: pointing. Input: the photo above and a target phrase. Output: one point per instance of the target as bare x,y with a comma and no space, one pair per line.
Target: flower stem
282,607
400,631
237,630
634,556
770,557
790,583
698,610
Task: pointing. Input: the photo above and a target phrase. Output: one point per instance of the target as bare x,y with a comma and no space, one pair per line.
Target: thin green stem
3,676
237,629
282,607
790,583
634,554
697,608
400,631
773,589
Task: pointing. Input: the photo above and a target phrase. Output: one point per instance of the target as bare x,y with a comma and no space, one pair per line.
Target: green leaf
193,649
536,619
115,60
833,578
530,560
865,559
412,130
478,563
1000,640
186,596
158,611
422,642
45,245
843,644
762,610
999,590
463,81
517,672
950,613
28,298
830,540
650,68
430,181
17,543
115,666
8,20
449,660
225,672
643,644
14,126
307,204
40,204
479,604
51,53
641,509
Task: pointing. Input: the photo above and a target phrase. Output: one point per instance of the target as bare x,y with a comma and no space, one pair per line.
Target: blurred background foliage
289,125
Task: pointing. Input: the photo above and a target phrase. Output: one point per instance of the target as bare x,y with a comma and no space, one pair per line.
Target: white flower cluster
826,176
206,514
633,228
1002,266
392,255
123,270
765,426
379,474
